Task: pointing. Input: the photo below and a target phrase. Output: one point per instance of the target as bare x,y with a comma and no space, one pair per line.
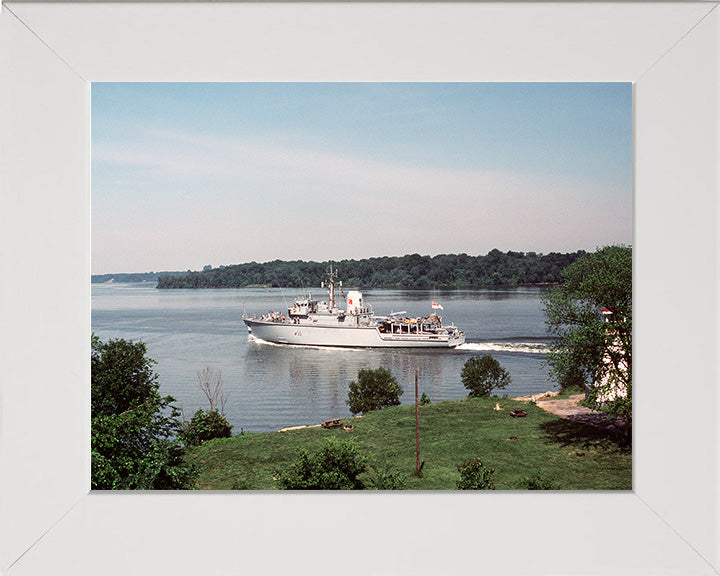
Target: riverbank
570,455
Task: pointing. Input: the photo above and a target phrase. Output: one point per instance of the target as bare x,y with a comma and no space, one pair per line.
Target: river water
271,386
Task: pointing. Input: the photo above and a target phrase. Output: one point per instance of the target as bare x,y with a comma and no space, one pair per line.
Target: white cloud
254,200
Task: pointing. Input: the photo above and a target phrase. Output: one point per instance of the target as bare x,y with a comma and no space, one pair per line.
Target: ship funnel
354,302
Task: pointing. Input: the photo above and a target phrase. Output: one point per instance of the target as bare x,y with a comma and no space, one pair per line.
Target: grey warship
309,322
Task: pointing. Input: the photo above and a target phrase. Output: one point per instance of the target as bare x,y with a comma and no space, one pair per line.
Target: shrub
164,469
540,482
482,374
424,399
474,476
205,425
336,466
382,477
374,389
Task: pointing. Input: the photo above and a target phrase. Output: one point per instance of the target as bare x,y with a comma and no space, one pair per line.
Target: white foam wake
524,347
520,347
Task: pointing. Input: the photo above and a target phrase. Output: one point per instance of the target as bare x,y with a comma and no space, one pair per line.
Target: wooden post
417,428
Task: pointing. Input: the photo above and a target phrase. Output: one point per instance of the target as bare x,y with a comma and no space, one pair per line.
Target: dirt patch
566,407
570,409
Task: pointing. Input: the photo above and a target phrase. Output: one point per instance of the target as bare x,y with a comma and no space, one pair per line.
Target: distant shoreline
115,280
131,277
411,271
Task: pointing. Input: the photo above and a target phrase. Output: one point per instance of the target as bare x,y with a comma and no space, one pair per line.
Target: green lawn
572,455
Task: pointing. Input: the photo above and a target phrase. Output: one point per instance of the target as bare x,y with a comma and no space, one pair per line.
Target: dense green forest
410,271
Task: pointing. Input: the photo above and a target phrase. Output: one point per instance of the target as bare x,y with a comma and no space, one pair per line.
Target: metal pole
417,428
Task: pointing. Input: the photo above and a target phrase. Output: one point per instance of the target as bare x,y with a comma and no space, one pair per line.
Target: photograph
378,286
356,282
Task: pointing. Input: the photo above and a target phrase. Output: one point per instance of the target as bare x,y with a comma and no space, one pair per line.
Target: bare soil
570,409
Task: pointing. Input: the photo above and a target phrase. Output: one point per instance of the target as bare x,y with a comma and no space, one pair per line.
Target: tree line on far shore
410,271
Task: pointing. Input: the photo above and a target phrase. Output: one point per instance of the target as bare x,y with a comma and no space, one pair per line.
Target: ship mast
331,289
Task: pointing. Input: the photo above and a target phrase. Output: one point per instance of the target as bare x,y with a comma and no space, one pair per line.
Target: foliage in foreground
590,315
374,389
336,466
541,482
483,374
475,476
205,425
384,477
339,465
133,429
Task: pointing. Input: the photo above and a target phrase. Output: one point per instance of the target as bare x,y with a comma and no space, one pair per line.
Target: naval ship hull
346,336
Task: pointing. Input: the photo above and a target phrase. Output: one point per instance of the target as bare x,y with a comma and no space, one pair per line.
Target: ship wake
517,347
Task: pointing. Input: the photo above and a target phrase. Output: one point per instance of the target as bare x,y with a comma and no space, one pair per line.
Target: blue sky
185,175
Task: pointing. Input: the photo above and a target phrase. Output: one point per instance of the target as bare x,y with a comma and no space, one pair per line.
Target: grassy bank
574,456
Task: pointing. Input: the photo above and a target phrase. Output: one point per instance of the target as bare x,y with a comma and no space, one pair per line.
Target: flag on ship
436,306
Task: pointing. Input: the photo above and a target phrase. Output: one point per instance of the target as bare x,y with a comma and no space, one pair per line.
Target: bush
165,469
540,482
424,399
474,476
374,389
382,477
336,466
482,374
124,458
205,425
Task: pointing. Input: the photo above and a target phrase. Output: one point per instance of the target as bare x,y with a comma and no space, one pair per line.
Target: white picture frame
50,523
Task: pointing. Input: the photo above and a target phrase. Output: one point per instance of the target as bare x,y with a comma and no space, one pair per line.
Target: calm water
271,386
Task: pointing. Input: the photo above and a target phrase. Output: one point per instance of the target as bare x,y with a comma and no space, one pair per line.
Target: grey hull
346,336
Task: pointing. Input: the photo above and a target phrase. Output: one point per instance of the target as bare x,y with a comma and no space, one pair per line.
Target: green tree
336,466
482,374
590,315
374,389
122,377
134,428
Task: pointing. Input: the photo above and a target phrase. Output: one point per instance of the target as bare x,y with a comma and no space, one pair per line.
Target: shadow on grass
578,434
